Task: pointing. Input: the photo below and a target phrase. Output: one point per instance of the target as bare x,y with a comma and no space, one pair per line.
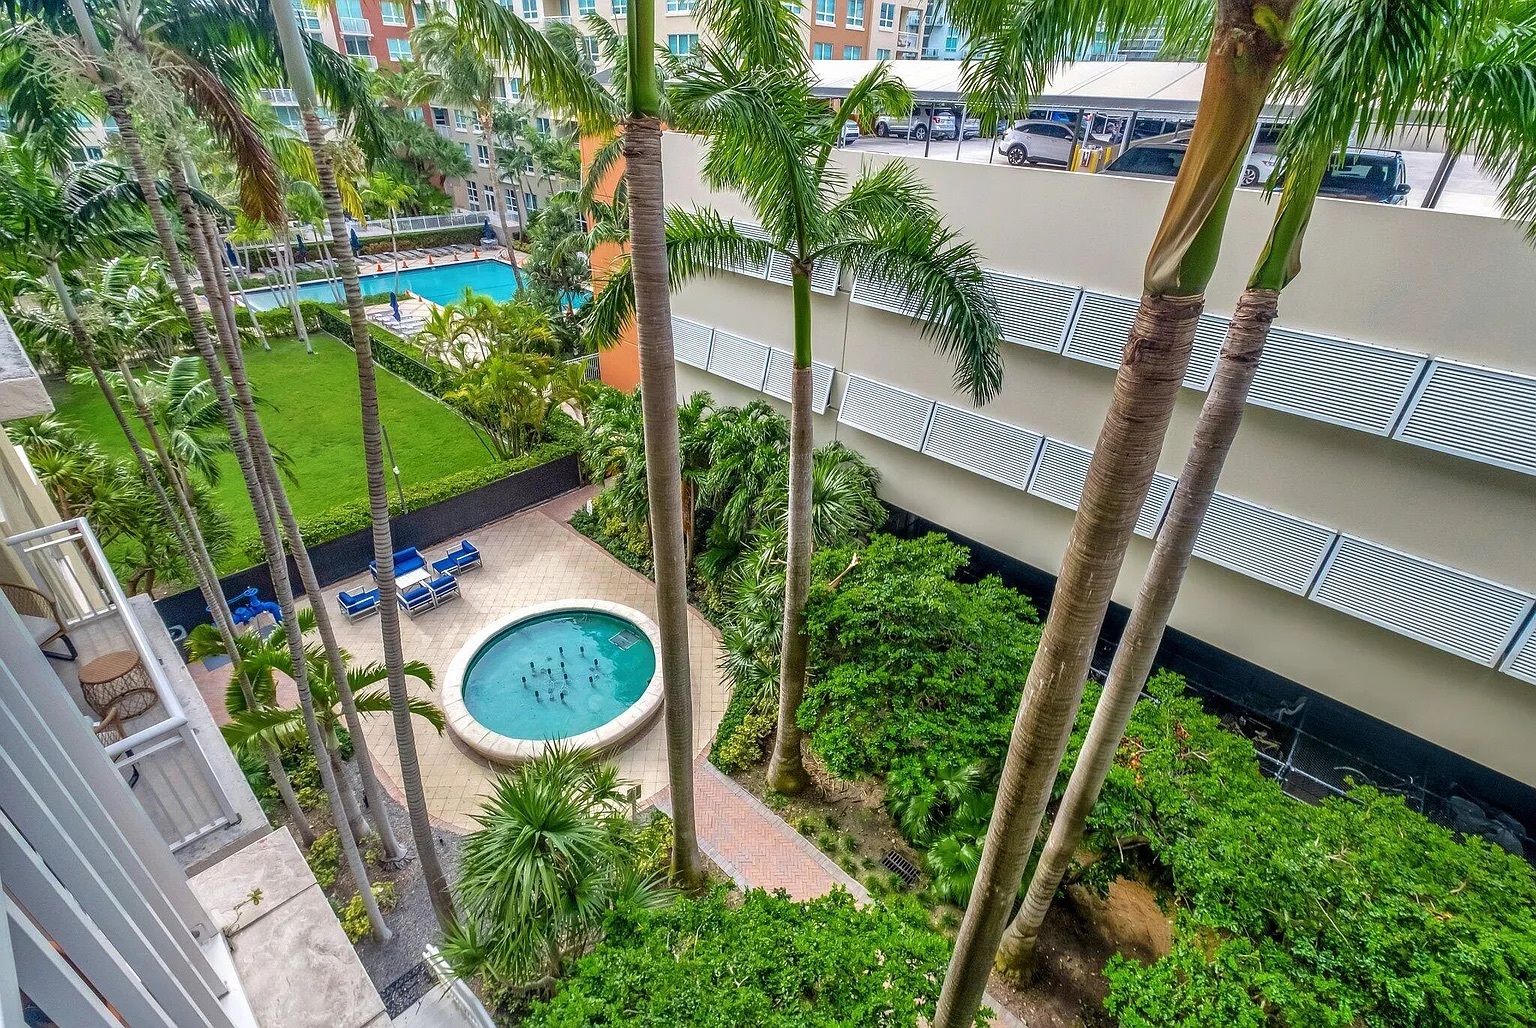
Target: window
853,53
544,125
511,199
309,17
530,202
423,11
440,116
399,49
887,15
357,46
585,7
679,6
461,119
414,114
392,13
882,54
530,10
528,166
620,8
483,155
952,40
473,191
855,18
466,150
490,197
826,12
821,51
682,44
794,7
589,43
514,88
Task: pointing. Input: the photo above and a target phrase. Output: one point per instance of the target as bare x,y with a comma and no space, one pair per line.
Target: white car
1034,140
1257,168
850,134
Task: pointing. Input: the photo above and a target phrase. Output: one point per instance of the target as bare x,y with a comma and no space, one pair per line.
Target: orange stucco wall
619,365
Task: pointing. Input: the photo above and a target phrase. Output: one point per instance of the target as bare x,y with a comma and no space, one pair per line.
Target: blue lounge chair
465,556
446,566
417,599
443,589
360,605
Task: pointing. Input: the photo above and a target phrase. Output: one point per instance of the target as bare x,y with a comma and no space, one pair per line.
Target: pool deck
529,558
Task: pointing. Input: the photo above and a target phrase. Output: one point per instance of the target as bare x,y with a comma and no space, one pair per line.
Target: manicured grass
312,414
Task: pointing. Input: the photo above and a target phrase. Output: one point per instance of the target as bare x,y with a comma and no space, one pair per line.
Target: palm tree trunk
786,771
1217,426
1247,44
663,470
378,496
291,274
128,133
349,806
245,301
501,201
394,244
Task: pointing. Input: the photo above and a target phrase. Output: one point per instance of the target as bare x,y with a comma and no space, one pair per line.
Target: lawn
312,414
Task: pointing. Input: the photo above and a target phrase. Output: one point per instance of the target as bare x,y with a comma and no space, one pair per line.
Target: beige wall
1429,282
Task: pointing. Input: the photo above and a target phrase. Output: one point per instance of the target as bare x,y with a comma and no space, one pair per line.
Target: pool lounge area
442,283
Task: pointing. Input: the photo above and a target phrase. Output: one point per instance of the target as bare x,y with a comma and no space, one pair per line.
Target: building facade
1369,542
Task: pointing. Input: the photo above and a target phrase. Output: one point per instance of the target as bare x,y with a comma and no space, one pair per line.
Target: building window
679,6
853,53
530,202
882,54
855,14
511,199
466,150
414,114
392,13
309,17
483,155
490,198
357,46
545,126
682,43
530,10
826,12
472,189
586,7
620,8
423,11
440,116
952,40
794,7
399,49
514,88
821,51
461,119
887,15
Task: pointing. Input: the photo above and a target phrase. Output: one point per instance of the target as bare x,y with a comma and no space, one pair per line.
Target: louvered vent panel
1155,506
1060,473
1262,543
1102,326
690,342
781,366
884,295
1522,661
752,269
1210,333
740,360
1473,412
893,414
1434,604
995,449
823,274
1334,380
1032,313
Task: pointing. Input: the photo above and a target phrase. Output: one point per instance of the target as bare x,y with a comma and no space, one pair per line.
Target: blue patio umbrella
229,251
357,247
303,250
486,234
394,304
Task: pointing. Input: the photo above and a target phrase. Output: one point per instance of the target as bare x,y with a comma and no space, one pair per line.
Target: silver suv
1032,141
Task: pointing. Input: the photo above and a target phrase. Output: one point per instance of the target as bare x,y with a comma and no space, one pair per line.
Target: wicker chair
40,615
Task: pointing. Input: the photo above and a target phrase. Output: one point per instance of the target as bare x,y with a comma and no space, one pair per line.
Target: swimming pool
581,672
441,284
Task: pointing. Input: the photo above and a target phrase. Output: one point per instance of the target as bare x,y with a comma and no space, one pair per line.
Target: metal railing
356,27
280,97
181,794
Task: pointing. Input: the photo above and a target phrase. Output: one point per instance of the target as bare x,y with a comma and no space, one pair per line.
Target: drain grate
403,993
898,864
625,639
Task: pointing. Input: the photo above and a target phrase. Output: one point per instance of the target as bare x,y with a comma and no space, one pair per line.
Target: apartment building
1367,557
862,30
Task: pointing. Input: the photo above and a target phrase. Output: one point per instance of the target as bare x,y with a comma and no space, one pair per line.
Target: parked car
922,122
850,134
1372,176
1032,141
972,128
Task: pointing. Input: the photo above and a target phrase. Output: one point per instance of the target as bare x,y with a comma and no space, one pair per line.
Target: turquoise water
558,675
442,283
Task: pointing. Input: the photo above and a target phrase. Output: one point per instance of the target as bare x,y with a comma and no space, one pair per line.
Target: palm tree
770,139
452,50
408,87
554,855
383,191
637,102
1360,66
1248,41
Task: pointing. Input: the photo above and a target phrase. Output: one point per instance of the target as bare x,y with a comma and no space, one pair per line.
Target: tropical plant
1362,68
385,193
1248,42
555,856
512,394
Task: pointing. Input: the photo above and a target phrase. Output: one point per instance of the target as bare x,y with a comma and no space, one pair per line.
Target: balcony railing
356,27
280,97
906,41
158,753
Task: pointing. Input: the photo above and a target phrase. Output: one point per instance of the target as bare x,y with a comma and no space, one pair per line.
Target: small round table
117,687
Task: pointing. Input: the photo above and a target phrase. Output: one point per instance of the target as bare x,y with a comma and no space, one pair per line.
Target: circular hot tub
582,673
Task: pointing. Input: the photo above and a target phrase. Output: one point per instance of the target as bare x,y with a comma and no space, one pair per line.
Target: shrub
324,858
354,918
806,826
653,846
770,962
743,743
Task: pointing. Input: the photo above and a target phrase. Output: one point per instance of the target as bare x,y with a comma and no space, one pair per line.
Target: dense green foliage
768,963
1354,912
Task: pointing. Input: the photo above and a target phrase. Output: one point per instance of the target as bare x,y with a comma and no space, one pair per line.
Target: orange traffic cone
429,258
477,253
378,266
